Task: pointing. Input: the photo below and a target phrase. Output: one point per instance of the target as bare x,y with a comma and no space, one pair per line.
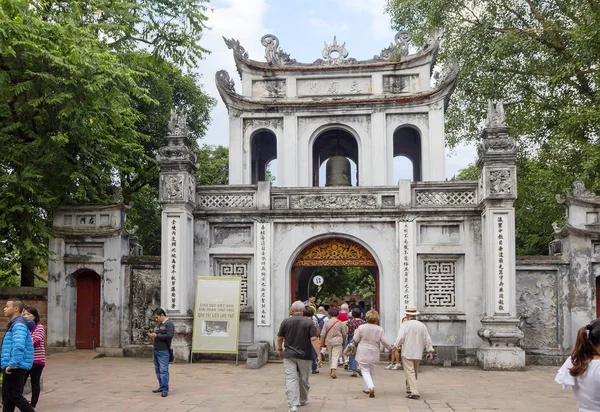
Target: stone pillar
579,242
177,193
498,191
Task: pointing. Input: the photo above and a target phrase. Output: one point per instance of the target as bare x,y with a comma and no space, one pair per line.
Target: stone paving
76,381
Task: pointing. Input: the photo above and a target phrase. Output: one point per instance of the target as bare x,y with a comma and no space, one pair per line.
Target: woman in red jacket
39,353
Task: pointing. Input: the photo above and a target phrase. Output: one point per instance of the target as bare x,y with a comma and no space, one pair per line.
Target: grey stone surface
257,355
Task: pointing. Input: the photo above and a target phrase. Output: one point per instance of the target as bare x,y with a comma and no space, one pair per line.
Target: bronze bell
337,171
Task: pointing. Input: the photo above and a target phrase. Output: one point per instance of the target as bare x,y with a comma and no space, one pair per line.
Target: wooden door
87,335
598,297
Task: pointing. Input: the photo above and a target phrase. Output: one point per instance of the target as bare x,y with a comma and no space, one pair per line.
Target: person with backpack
351,326
321,318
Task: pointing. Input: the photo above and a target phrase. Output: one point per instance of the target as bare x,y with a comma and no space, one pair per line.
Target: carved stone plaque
333,202
396,84
334,86
500,182
231,235
268,88
537,304
145,297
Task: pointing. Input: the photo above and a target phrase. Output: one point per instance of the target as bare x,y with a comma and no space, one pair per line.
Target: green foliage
145,215
471,172
541,59
77,106
343,281
214,165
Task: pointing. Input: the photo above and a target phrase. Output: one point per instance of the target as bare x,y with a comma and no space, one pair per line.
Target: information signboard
216,315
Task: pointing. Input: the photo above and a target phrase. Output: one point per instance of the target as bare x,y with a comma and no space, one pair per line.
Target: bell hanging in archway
337,171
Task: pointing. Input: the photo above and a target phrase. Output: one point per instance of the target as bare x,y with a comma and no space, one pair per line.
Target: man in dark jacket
162,336
16,357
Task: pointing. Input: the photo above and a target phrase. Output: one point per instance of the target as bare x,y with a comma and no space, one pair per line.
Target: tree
70,89
214,165
542,59
343,281
145,215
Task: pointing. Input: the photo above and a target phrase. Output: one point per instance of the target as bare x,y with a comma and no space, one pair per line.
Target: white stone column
236,152
287,163
177,195
498,191
436,149
379,156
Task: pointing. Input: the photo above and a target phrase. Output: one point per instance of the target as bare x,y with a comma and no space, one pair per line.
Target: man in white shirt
413,338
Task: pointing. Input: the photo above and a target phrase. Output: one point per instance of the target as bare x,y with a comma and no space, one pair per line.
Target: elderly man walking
413,338
300,336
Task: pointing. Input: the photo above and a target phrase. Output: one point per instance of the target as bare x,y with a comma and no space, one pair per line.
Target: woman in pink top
39,353
368,337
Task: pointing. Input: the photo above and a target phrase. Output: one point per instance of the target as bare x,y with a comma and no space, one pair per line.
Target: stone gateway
334,127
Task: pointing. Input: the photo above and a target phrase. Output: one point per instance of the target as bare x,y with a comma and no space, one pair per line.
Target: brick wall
36,297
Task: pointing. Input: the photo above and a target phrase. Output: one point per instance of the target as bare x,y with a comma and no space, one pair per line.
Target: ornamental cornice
238,103
335,252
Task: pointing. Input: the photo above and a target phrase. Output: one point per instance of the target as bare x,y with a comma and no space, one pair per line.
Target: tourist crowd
349,341
354,343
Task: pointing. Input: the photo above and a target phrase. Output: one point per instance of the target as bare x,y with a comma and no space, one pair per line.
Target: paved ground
77,382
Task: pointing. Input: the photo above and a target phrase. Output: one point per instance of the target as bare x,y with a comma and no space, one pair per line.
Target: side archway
263,150
407,143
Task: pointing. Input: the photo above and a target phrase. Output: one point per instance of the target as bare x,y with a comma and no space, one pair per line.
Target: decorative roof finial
334,54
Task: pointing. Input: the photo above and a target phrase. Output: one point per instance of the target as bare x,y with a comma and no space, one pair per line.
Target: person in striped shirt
39,353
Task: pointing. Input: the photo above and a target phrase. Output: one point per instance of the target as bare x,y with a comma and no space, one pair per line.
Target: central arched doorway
333,252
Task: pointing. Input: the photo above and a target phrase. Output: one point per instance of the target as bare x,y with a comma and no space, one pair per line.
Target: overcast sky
301,26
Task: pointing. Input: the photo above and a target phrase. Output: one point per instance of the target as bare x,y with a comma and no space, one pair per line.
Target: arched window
263,151
407,143
338,143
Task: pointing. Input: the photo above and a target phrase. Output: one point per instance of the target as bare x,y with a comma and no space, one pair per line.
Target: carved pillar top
176,155
497,154
177,163
496,146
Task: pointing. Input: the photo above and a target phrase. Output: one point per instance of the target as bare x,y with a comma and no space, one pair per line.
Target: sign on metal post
216,315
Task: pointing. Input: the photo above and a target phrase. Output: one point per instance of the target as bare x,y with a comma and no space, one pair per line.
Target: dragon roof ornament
397,49
332,54
237,48
223,80
273,53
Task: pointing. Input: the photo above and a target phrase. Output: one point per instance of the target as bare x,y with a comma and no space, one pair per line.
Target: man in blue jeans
162,336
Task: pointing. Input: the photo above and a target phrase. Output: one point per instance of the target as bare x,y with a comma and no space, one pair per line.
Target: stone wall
540,307
142,285
36,297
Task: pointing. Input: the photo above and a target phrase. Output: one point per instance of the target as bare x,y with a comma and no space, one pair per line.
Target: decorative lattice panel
226,201
445,198
440,284
238,270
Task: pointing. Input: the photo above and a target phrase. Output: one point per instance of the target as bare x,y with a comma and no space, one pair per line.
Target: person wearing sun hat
413,337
